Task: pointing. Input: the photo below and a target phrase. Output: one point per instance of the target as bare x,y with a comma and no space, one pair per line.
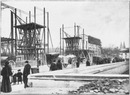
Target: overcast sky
106,20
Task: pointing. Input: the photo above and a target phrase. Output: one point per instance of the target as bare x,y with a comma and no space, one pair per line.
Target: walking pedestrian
26,72
6,73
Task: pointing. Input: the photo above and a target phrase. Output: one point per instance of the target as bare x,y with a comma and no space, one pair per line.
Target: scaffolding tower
29,42
72,45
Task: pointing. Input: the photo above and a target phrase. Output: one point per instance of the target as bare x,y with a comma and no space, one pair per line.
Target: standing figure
26,72
6,73
73,65
88,62
38,62
78,62
70,60
19,75
59,65
14,78
53,66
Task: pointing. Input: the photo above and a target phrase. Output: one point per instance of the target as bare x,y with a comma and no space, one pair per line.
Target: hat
26,61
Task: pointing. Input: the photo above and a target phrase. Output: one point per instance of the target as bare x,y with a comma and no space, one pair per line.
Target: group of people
79,60
56,65
6,73
75,62
59,65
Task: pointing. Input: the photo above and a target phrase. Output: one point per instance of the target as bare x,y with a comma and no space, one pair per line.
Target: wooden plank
77,77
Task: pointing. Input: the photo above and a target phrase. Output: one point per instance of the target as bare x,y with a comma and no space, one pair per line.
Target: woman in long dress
6,73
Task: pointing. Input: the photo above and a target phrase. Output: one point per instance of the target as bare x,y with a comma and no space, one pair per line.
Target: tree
110,52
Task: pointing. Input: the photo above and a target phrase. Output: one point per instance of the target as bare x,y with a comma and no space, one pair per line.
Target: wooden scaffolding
29,42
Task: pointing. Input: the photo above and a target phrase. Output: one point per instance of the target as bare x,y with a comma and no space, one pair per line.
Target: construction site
29,40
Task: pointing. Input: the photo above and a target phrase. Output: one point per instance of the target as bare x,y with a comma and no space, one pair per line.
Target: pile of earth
104,86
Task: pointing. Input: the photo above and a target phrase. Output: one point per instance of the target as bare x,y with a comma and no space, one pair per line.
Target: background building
92,45
84,46
124,52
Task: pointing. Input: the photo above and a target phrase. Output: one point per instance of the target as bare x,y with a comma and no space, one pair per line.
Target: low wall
113,70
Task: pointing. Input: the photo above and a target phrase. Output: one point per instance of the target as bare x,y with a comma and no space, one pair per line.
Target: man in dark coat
6,73
78,62
88,62
26,72
59,65
53,66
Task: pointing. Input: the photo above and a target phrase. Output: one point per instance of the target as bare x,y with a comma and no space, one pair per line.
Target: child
19,75
14,78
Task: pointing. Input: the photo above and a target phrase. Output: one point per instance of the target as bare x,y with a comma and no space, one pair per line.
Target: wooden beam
83,41
129,37
74,29
0,28
44,17
60,40
78,77
26,19
29,16
48,31
15,32
12,34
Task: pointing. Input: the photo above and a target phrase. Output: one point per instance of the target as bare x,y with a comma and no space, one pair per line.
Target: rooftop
72,38
29,26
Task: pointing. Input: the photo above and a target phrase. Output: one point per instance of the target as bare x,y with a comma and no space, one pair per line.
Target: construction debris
104,86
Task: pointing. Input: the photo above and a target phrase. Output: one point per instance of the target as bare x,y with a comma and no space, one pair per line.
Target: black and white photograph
64,47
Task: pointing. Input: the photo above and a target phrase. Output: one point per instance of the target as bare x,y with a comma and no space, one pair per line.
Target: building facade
84,46
92,45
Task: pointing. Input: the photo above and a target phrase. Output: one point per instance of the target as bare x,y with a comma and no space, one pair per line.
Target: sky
106,20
